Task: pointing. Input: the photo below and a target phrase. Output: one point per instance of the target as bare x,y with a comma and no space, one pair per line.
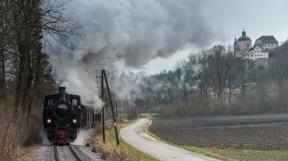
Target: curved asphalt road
135,136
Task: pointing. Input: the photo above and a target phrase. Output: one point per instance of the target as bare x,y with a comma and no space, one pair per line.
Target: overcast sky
258,17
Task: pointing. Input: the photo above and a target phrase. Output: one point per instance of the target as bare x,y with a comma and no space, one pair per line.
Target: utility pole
104,78
103,108
111,106
116,109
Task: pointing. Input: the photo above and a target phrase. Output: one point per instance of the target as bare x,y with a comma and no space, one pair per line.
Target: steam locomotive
63,115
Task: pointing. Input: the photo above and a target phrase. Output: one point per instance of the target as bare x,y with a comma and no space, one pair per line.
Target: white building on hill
257,53
267,43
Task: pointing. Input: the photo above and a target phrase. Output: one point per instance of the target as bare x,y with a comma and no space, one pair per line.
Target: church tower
242,44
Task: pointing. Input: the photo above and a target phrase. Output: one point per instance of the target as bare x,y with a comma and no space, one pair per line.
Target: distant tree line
217,82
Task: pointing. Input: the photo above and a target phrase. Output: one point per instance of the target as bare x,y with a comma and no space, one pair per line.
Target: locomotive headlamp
49,121
74,121
62,106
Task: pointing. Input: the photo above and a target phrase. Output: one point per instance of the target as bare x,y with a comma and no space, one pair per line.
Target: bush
257,100
108,150
16,132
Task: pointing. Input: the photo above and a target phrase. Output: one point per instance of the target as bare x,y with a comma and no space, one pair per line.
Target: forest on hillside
217,82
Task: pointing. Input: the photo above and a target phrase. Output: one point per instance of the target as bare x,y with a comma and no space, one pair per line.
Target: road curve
135,136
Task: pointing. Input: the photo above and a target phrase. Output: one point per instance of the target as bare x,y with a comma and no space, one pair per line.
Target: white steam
131,31
82,136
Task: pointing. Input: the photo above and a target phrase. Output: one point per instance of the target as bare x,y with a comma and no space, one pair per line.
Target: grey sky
258,17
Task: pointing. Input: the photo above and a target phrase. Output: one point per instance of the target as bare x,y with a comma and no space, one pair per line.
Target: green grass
252,155
207,153
110,137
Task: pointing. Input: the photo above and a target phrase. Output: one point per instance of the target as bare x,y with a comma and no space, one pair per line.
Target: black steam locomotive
63,115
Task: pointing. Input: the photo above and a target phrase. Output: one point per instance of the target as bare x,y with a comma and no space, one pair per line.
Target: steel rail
74,153
56,155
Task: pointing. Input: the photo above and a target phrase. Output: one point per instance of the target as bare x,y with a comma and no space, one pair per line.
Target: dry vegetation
244,132
109,150
19,132
259,99
9,149
112,152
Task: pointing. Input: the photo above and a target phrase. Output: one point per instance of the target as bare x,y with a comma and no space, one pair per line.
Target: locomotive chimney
62,93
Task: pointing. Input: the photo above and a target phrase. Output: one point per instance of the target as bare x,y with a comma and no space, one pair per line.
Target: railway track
56,155
74,152
69,153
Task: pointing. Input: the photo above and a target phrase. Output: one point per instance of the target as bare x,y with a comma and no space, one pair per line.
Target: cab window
74,102
50,102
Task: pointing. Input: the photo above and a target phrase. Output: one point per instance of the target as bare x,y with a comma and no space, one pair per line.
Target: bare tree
215,71
31,18
5,40
233,65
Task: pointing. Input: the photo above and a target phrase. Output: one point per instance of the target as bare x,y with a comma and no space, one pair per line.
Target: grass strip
253,155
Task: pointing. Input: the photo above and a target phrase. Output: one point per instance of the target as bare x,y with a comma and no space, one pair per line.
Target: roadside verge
111,152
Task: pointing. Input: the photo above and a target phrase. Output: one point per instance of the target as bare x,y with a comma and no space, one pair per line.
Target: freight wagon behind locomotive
63,115
89,117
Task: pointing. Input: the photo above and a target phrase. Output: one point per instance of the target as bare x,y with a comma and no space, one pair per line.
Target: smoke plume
130,31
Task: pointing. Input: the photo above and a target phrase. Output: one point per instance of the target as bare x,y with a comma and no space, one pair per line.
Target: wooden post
112,108
103,107
116,110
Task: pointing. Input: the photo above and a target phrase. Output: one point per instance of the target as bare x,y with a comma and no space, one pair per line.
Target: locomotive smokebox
62,93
